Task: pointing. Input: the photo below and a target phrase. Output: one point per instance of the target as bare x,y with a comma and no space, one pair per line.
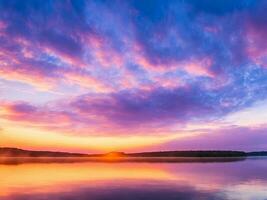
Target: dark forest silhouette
15,152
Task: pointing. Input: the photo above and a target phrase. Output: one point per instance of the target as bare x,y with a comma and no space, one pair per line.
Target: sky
133,75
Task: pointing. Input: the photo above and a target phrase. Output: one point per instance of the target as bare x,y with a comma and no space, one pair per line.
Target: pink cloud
32,116
193,66
199,67
33,77
256,43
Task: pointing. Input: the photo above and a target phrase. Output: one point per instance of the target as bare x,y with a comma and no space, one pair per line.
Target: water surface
229,180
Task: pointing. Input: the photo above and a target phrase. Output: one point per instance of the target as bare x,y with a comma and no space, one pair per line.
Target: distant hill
190,154
15,152
257,153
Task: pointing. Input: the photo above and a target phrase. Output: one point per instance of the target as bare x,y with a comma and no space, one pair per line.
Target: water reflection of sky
244,180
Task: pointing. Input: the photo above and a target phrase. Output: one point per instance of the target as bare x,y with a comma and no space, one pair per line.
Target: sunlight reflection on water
243,179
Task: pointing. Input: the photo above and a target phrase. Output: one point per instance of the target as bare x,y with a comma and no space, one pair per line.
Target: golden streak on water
50,175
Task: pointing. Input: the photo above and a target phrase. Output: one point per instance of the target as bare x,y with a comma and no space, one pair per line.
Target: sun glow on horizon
14,136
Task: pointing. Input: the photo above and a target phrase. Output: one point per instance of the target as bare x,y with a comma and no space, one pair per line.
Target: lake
241,179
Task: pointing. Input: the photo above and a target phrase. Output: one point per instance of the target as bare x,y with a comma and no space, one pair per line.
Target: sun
114,155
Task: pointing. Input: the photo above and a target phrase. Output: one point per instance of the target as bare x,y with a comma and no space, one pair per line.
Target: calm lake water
235,180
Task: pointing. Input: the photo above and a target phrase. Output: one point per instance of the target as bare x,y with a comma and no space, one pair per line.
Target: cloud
231,138
201,46
132,68
135,111
33,116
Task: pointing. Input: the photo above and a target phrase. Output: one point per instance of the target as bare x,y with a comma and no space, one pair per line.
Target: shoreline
22,160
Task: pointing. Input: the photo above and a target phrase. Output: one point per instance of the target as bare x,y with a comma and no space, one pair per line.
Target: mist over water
232,180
